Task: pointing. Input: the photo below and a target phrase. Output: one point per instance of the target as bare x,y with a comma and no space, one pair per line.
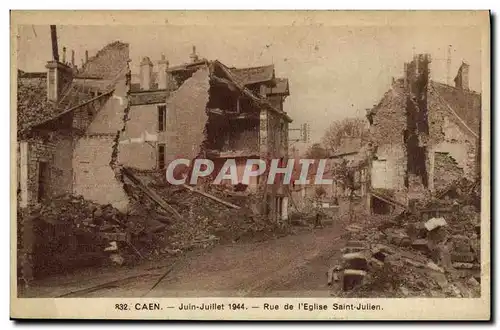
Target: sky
334,72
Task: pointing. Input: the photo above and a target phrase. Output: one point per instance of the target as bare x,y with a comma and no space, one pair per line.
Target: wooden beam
151,194
388,200
212,197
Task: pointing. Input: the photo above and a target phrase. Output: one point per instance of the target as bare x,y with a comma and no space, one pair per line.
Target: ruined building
68,122
426,134
208,110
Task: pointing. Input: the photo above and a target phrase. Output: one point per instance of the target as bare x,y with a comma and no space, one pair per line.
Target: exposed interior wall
94,178
95,153
229,134
134,151
186,117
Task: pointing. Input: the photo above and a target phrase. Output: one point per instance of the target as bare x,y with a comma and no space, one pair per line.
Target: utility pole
448,66
55,50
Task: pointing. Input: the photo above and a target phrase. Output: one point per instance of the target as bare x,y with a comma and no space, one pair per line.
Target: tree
316,151
352,127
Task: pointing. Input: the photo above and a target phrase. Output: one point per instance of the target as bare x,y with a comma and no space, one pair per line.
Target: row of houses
78,126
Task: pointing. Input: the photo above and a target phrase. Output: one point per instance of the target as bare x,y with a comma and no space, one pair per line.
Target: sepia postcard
250,165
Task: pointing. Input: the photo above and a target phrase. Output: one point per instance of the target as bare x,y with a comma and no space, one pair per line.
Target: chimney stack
59,75
163,76
146,71
462,78
194,56
86,56
72,58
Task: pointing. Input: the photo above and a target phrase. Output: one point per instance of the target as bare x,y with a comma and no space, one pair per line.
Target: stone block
463,265
463,257
420,245
434,223
355,261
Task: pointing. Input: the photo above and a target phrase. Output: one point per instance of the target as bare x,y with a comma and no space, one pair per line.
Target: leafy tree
353,127
316,151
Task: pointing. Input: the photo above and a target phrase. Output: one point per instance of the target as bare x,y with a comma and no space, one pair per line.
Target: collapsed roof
466,104
33,107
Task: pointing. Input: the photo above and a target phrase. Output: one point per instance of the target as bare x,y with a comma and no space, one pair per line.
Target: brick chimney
146,73
59,75
163,77
462,78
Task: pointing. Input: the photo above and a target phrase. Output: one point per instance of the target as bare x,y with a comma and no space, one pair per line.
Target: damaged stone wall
186,117
388,118
447,134
411,124
55,150
446,170
388,123
95,155
417,126
95,179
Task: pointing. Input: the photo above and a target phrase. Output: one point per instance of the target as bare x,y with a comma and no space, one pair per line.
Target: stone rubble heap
203,221
412,255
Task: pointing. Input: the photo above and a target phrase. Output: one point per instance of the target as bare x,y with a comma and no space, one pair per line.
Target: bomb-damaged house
426,135
204,109
68,122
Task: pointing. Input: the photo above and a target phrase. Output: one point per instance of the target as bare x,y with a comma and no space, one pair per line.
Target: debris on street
435,256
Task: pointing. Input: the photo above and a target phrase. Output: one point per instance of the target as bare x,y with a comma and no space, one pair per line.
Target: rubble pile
69,232
434,252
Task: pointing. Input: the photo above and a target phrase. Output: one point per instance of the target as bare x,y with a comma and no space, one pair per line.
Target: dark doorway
380,207
43,181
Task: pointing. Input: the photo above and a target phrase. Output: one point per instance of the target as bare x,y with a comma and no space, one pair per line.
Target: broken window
162,117
161,156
